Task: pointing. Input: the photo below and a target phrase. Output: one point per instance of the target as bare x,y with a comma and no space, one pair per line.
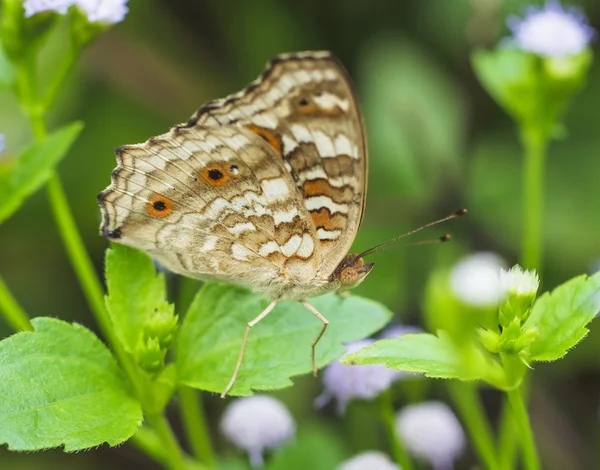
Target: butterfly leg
316,313
250,324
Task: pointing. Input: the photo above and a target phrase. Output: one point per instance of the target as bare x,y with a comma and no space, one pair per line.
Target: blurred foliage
437,142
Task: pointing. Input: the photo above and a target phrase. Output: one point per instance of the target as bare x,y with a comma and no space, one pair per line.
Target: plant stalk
12,312
194,422
535,144
466,400
388,417
530,457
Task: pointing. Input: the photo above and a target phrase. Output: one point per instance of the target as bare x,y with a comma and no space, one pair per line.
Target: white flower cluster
105,11
475,280
551,31
370,460
519,281
257,423
480,280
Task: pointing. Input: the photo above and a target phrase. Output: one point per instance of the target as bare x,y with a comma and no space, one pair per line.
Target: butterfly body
264,188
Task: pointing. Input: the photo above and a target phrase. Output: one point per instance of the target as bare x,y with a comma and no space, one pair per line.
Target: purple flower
370,460
346,382
105,11
257,423
551,31
37,6
431,431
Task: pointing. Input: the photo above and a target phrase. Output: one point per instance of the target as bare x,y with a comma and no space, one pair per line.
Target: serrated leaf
278,347
561,316
22,176
135,291
435,356
60,386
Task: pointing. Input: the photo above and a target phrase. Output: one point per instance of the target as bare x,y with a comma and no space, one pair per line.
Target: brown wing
304,107
212,203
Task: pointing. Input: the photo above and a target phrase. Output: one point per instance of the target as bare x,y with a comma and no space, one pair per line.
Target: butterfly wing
304,107
211,203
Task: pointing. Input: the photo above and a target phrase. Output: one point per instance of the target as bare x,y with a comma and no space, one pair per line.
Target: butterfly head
351,271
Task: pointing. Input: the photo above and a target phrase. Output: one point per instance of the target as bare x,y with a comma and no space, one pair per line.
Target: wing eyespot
218,174
159,206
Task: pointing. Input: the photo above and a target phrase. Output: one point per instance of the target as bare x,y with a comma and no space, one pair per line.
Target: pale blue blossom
257,423
431,431
370,460
37,6
345,383
2,143
551,30
106,11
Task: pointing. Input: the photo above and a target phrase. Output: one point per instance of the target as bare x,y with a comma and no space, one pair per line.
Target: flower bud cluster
157,336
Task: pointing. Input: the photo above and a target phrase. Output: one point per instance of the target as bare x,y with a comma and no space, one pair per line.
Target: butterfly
264,188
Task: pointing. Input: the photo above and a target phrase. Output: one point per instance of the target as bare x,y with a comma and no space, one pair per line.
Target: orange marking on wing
218,174
159,206
322,218
321,187
272,139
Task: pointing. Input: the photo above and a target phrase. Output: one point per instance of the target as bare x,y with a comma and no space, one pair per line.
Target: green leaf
135,293
278,346
22,176
60,386
415,352
435,356
560,317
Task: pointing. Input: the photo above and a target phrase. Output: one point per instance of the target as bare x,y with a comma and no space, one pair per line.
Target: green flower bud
162,325
489,338
150,356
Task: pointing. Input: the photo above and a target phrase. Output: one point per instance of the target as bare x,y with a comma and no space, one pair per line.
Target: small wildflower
346,382
475,280
257,423
37,6
105,11
2,142
370,460
431,431
552,31
519,281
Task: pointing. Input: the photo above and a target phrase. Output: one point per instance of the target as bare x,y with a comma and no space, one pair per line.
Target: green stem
60,76
466,399
507,441
13,313
389,420
85,271
534,143
194,422
174,458
530,457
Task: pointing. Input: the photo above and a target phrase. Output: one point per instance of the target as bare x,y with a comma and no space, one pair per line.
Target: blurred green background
437,143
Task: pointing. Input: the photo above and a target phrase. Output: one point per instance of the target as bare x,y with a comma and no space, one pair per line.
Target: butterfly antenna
445,238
